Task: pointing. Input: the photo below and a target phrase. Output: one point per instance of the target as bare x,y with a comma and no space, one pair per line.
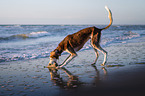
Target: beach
123,74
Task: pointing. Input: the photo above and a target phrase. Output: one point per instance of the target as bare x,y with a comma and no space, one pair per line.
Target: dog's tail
110,17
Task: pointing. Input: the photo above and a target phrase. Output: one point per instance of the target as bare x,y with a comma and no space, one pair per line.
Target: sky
71,11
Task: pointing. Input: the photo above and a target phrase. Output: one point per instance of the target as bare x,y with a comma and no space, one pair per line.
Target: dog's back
78,39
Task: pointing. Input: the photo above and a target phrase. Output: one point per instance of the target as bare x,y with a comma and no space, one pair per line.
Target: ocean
26,42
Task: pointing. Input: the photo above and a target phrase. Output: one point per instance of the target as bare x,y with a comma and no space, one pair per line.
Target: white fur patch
52,60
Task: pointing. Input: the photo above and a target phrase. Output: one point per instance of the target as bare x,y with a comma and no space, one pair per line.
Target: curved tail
110,17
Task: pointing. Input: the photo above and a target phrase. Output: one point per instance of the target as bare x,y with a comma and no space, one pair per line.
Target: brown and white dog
74,42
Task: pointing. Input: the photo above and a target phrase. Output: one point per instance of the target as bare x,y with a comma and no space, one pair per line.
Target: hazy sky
71,11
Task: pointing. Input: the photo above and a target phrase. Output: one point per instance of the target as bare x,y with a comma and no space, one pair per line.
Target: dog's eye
56,51
51,59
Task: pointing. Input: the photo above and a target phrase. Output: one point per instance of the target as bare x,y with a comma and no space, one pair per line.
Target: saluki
74,42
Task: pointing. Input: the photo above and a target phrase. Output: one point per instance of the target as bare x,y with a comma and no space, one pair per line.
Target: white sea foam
16,45
128,35
38,34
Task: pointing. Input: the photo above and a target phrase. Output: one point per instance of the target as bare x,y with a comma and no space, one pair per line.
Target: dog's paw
58,67
102,64
93,63
52,65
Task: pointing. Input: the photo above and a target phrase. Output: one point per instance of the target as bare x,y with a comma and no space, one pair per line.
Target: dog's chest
78,47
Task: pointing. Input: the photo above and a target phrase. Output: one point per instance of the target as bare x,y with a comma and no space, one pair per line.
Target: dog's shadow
73,81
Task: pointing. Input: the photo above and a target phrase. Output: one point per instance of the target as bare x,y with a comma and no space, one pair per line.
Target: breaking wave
125,36
25,36
21,49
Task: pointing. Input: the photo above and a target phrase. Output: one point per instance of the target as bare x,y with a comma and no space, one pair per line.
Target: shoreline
124,74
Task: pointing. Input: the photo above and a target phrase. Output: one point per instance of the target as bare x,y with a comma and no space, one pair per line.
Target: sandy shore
123,75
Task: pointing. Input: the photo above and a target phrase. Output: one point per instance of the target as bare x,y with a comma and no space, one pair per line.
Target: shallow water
30,77
23,42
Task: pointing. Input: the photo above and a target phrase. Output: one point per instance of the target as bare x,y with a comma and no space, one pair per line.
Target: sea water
25,42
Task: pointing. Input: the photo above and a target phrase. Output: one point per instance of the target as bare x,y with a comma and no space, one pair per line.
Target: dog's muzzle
52,63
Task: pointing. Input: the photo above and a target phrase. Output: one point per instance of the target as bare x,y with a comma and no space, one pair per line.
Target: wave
124,36
128,35
43,51
25,36
16,57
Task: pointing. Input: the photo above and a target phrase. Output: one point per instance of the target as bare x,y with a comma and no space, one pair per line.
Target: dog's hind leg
97,55
96,47
105,54
103,51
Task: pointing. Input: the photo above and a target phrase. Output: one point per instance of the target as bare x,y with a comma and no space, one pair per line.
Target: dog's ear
57,52
52,53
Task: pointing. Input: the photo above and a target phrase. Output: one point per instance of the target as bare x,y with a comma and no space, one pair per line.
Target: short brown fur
74,42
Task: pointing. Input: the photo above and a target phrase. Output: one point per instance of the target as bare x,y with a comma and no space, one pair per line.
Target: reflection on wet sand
97,78
73,81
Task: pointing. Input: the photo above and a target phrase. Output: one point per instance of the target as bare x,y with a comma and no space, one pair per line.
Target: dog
74,42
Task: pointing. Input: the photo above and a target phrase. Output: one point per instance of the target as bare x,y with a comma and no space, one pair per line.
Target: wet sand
123,75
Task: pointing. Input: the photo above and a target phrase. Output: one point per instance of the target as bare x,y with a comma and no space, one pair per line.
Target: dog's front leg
72,56
65,60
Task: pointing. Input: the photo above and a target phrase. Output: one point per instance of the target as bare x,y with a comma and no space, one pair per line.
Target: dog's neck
59,50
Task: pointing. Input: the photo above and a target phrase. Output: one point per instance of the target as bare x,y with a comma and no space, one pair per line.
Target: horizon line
71,24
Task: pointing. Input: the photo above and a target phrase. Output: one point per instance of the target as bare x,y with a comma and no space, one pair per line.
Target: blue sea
26,42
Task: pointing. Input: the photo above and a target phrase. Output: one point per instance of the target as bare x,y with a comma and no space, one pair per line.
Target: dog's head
54,56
